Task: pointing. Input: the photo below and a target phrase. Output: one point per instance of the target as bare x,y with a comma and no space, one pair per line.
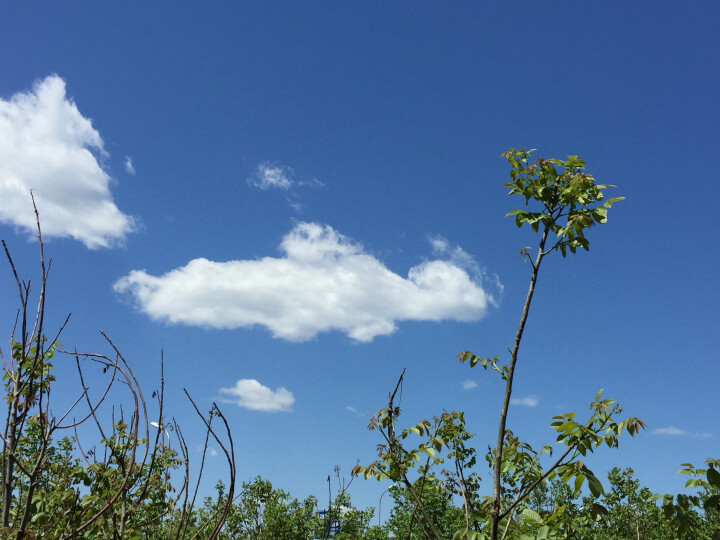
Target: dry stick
495,511
328,517
92,407
138,388
186,481
161,427
335,514
38,326
200,473
126,477
413,518
12,412
14,271
33,482
40,314
392,447
38,360
214,514
461,485
231,462
77,441
15,417
74,423
136,423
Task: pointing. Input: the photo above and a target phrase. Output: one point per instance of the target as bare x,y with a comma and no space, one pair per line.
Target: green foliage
404,522
123,488
631,511
569,199
566,202
696,515
262,512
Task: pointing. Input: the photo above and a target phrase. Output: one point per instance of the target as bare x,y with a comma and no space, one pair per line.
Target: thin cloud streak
670,430
674,431
353,410
324,282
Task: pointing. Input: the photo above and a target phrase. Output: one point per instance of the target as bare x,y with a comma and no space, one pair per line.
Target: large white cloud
250,394
323,282
49,147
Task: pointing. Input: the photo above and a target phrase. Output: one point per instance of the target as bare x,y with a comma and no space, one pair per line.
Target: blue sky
297,201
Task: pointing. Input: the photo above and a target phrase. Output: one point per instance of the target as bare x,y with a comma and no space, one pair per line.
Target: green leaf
579,479
531,516
595,486
713,478
598,509
712,503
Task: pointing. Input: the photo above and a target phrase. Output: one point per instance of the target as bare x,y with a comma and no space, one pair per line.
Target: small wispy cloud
469,385
529,401
674,431
269,176
353,410
211,451
250,394
670,430
129,168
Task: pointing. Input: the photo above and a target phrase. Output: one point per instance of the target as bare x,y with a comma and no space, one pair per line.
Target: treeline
70,491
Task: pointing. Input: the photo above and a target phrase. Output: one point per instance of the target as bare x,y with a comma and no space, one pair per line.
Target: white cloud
354,410
529,401
269,176
323,282
129,168
49,147
670,430
250,394
469,385
677,432
211,451
460,258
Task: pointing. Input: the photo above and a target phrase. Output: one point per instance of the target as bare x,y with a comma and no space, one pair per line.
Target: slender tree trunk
495,511
9,472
